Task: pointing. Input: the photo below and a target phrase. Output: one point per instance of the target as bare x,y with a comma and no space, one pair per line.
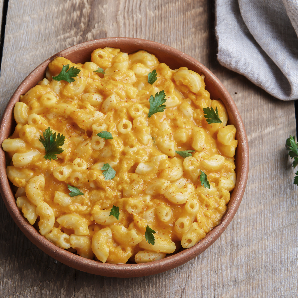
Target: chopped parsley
157,103
152,77
99,70
74,191
204,180
105,135
67,74
292,147
211,115
108,172
149,235
115,212
185,153
52,143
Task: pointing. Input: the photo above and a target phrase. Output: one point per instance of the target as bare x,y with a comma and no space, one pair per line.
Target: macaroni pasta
152,185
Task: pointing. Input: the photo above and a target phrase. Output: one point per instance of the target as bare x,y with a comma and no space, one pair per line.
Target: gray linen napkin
258,38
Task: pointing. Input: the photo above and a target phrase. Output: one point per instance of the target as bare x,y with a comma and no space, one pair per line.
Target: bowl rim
126,270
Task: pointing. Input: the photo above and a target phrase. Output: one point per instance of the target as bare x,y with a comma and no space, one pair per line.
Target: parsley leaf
100,70
51,143
74,191
67,74
152,77
149,235
108,172
185,153
204,180
157,103
115,212
296,178
105,135
292,147
211,115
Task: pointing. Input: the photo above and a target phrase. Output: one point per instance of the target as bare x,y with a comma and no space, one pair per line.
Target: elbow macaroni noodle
153,185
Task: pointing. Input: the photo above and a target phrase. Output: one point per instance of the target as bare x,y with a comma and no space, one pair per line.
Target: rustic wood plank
1,14
257,255
2,28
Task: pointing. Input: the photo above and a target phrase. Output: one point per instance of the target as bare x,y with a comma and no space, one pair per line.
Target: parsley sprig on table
67,74
157,103
115,212
152,77
292,147
204,180
108,172
149,235
185,153
105,135
52,143
74,191
211,115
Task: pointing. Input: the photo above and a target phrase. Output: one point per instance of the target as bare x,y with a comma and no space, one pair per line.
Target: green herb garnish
51,143
115,212
204,180
99,70
292,147
157,103
149,235
152,77
108,172
185,153
67,74
211,115
105,135
74,191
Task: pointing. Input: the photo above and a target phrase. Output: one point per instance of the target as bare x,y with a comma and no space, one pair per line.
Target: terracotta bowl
175,59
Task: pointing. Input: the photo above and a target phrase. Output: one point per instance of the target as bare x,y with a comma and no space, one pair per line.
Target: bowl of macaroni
122,157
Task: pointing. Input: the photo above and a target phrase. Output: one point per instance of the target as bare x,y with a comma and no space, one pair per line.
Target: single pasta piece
28,209
161,245
21,111
145,256
47,218
103,216
192,236
24,159
126,237
182,225
74,222
59,238
13,145
35,189
164,213
100,244
82,244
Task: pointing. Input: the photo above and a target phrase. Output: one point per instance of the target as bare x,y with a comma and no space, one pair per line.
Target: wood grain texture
257,256
1,14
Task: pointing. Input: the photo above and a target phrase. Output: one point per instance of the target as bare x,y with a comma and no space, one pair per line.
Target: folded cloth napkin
258,38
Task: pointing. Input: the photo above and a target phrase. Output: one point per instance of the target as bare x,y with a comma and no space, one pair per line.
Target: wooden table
257,256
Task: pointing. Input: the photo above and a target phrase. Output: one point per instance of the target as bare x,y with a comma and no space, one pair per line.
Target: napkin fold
258,39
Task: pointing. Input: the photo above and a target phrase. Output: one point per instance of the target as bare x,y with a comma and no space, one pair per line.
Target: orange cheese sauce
153,186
